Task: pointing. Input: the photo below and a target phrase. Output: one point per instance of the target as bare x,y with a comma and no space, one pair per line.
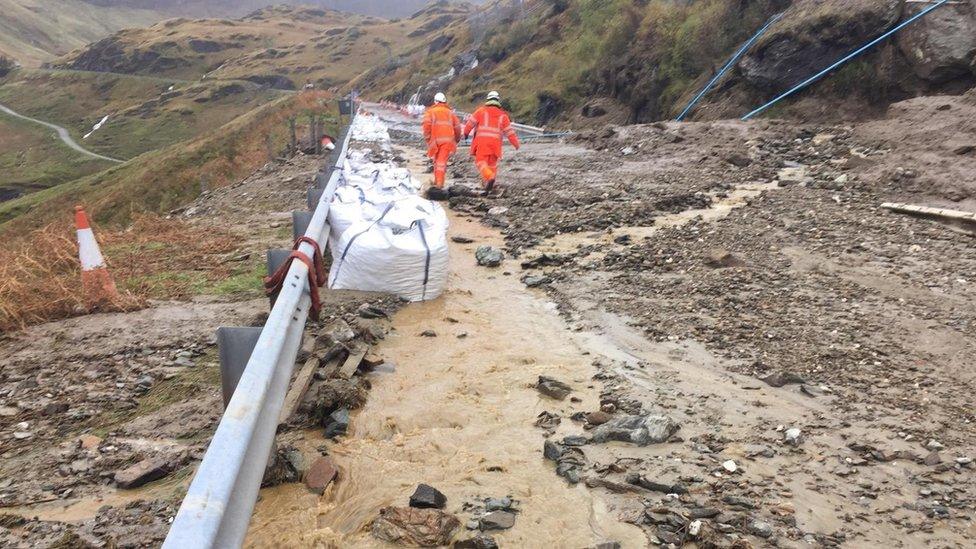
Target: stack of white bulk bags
384,237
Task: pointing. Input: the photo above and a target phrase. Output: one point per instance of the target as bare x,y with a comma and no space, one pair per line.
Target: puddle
457,413
720,208
85,508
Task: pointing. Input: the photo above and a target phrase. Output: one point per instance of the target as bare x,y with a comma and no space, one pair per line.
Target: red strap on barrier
316,273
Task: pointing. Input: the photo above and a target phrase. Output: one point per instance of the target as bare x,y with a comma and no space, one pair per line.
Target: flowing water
457,413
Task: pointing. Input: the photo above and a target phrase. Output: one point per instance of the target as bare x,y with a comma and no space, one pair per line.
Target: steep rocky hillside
589,61
35,31
282,47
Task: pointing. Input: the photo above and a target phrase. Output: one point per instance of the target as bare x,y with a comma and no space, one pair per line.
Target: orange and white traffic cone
97,284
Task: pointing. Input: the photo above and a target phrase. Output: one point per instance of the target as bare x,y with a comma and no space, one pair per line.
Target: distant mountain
236,8
34,31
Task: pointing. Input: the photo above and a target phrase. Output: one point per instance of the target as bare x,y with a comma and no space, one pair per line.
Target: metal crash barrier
218,505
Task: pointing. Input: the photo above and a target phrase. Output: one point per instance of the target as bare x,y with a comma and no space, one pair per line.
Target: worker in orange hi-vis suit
489,123
442,131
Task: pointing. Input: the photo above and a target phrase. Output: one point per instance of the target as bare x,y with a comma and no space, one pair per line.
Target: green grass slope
33,158
144,113
161,180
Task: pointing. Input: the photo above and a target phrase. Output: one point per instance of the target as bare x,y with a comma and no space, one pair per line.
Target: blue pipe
745,47
845,59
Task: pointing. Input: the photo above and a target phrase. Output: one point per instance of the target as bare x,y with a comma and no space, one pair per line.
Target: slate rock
478,542
779,379
637,429
488,256
322,472
419,527
143,472
759,528
553,388
703,512
461,239
369,311
337,423
598,418
663,487
335,333
551,450
54,408
427,497
498,504
497,520
535,281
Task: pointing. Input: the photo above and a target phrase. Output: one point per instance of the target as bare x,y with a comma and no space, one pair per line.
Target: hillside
170,176
33,158
35,31
144,113
282,47
588,62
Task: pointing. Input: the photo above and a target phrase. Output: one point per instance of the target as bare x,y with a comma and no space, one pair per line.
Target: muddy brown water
457,412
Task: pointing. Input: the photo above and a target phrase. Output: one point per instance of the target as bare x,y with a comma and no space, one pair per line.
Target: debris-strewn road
62,134
815,348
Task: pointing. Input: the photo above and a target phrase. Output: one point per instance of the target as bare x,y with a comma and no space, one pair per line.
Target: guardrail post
276,257
299,223
314,196
321,180
235,345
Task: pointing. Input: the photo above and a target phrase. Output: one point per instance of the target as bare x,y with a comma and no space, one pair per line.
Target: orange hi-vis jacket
441,128
489,124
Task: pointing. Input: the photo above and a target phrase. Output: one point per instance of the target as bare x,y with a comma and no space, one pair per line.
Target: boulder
637,429
942,45
418,527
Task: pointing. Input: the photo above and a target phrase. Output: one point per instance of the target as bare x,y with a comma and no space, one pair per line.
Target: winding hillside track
62,133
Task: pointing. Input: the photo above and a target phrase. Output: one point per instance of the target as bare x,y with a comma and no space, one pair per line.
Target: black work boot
437,193
488,187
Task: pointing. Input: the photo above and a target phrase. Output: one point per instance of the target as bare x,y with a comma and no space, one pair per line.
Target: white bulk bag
404,252
350,205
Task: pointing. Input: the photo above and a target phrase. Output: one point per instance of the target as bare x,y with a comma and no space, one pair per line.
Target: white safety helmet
493,95
440,98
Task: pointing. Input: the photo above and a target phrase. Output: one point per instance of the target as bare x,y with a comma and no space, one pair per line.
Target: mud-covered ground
754,285
738,278
85,399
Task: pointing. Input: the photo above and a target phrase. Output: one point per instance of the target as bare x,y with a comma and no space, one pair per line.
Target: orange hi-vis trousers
444,152
487,163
